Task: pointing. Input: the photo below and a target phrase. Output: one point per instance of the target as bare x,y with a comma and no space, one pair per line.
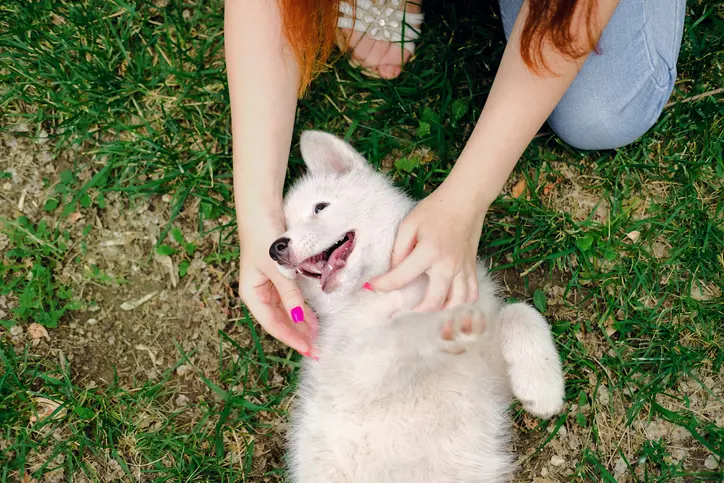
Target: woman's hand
272,298
440,238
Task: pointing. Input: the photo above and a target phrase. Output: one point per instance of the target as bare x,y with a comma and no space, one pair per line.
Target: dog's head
341,219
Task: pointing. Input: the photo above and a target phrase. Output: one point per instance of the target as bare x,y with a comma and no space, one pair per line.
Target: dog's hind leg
534,366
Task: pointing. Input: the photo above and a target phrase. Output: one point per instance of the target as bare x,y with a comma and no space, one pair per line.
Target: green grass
142,91
134,430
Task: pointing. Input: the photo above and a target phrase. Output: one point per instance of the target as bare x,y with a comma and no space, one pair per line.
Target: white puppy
397,396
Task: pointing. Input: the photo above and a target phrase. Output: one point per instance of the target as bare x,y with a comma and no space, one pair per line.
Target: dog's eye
319,207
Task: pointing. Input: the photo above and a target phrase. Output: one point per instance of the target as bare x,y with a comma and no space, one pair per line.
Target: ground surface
126,355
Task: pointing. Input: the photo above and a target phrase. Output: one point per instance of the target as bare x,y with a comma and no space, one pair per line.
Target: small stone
91,321
603,396
16,330
711,462
678,454
42,137
680,434
620,467
181,400
183,369
656,430
557,460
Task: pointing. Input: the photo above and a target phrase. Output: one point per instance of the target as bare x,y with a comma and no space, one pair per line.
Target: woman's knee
587,118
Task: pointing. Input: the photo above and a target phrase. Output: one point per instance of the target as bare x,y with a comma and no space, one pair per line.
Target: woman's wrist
476,183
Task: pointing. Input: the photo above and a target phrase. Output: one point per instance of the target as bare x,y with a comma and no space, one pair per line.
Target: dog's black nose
278,249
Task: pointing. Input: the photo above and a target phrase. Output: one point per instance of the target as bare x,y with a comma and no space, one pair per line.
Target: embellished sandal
381,20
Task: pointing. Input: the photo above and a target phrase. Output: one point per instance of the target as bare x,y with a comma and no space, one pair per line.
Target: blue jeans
620,92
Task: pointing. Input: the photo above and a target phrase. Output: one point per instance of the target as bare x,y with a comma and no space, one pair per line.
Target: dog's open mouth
325,264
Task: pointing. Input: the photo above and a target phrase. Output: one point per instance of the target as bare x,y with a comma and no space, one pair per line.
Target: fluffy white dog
398,396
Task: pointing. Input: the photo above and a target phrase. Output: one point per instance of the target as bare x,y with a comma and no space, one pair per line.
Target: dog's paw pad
463,326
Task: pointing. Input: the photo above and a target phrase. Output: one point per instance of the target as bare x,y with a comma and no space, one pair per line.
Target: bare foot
382,57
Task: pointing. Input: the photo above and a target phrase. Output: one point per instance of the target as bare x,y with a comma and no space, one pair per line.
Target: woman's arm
263,84
518,105
440,236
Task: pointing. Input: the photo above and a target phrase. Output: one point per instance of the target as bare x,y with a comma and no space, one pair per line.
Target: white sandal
380,20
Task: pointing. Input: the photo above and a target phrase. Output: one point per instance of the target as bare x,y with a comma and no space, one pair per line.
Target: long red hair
310,29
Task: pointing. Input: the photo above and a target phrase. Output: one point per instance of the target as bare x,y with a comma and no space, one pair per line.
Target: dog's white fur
389,400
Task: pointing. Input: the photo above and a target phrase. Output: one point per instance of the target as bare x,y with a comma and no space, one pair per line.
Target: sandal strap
382,20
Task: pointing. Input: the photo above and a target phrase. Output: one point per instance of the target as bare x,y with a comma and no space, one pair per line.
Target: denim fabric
620,92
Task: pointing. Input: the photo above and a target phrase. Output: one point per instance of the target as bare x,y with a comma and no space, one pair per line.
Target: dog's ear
325,153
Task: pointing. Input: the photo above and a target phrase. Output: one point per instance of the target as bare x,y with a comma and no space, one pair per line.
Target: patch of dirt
111,266
139,316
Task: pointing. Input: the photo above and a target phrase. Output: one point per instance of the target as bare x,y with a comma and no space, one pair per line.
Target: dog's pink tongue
337,260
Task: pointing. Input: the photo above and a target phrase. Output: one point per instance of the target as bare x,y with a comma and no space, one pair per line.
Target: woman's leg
620,92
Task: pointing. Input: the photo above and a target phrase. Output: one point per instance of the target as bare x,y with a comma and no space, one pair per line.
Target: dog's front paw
462,327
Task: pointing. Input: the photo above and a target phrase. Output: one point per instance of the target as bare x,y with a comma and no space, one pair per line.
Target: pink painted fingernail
310,354
367,286
297,315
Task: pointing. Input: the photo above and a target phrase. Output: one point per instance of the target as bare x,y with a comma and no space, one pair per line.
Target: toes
372,61
361,46
390,65
384,57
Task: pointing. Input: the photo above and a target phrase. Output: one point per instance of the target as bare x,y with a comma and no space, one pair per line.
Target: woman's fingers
458,291
293,301
279,308
438,287
275,323
408,270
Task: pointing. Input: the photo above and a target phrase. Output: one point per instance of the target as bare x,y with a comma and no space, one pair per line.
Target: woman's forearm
263,84
519,103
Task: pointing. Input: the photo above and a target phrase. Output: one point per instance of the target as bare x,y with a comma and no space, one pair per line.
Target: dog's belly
443,430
